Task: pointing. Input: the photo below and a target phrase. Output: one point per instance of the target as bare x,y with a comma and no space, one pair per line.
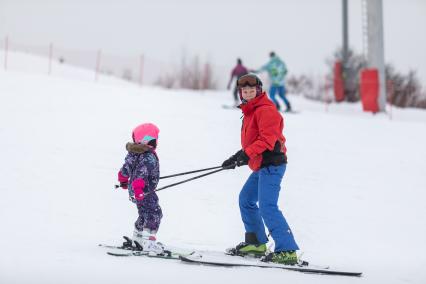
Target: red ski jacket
262,127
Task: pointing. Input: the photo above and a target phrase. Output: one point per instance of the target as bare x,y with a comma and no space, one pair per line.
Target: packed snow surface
353,193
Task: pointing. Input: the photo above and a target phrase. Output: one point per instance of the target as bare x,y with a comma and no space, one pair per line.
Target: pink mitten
138,186
123,180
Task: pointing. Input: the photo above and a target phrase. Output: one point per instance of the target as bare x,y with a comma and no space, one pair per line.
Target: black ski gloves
238,159
242,158
231,163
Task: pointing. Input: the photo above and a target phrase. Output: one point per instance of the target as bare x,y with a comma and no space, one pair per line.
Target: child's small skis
133,248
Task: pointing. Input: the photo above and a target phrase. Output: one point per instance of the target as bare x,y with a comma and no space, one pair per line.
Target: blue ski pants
263,187
281,93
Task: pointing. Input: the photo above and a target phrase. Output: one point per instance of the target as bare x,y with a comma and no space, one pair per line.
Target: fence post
50,58
98,64
326,100
6,47
390,96
141,65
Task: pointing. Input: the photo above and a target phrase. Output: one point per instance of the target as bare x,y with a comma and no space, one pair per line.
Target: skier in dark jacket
263,149
238,71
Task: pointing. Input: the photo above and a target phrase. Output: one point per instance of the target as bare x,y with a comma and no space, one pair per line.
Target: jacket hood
137,148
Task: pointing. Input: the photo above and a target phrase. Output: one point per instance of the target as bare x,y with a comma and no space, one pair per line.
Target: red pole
50,58
6,47
98,64
141,63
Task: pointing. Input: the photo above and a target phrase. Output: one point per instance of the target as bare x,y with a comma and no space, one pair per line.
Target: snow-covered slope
353,192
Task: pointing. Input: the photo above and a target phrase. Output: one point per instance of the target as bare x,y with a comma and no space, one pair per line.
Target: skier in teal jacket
277,71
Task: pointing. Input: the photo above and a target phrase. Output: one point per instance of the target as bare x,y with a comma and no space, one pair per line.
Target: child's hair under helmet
250,80
146,133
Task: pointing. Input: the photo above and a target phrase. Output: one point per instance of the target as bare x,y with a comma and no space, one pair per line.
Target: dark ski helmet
249,80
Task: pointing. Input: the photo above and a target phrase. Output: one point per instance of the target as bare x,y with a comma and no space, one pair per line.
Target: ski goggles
248,80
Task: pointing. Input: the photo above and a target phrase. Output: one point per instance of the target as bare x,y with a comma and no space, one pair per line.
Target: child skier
140,174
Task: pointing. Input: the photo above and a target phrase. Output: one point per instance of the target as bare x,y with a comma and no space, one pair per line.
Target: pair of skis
219,259
130,248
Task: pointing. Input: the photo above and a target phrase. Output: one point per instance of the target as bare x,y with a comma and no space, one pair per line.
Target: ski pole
191,172
181,174
177,183
186,180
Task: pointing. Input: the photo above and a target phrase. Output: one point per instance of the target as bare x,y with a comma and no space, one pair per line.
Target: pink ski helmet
145,133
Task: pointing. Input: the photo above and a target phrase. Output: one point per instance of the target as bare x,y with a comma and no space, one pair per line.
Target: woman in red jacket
263,149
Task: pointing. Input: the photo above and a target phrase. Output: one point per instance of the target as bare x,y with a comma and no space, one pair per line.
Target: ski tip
116,254
304,269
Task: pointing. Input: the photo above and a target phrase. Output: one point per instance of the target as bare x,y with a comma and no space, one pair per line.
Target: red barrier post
339,90
369,90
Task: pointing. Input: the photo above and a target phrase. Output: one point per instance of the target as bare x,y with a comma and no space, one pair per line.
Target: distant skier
140,174
277,71
238,71
263,149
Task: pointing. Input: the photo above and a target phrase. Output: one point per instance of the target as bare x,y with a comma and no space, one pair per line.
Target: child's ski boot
147,240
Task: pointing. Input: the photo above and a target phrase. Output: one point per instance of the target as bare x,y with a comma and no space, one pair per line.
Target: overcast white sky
303,32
